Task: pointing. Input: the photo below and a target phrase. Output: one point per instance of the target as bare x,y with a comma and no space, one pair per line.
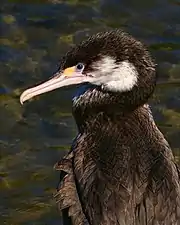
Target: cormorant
120,170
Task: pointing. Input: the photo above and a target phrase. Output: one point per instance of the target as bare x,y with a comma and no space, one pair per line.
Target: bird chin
82,89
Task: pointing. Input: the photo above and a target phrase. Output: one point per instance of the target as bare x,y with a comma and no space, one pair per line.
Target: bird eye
80,67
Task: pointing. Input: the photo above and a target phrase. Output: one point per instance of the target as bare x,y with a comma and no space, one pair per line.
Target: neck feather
123,146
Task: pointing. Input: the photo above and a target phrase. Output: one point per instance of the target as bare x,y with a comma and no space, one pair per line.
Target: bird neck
91,105
122,145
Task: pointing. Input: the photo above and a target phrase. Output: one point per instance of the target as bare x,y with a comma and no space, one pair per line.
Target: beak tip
21,102
21,99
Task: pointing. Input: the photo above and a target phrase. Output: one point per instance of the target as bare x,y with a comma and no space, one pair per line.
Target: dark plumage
122,47
120,170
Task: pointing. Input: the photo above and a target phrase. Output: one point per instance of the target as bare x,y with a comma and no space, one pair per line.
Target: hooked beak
68,77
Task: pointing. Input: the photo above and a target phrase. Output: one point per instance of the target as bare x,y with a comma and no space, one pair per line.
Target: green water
34,136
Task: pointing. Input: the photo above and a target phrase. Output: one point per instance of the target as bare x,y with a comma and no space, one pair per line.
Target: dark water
35,136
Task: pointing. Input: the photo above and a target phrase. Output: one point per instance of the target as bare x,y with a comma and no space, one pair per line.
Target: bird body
120,170
137,184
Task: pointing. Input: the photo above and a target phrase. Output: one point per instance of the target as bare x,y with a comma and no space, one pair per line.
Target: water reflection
35,136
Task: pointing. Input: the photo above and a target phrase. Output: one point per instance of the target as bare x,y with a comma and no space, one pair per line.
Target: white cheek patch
115,77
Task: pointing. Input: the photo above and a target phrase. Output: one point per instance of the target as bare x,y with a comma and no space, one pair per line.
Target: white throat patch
115,77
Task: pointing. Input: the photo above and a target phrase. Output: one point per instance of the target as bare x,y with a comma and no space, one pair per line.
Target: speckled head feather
123,49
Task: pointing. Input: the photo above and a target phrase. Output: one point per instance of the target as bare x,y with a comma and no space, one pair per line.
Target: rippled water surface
35,136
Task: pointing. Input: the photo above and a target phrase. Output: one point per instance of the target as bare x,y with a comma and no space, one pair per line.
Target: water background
34,136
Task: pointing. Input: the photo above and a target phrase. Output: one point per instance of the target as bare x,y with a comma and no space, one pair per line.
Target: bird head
118,69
